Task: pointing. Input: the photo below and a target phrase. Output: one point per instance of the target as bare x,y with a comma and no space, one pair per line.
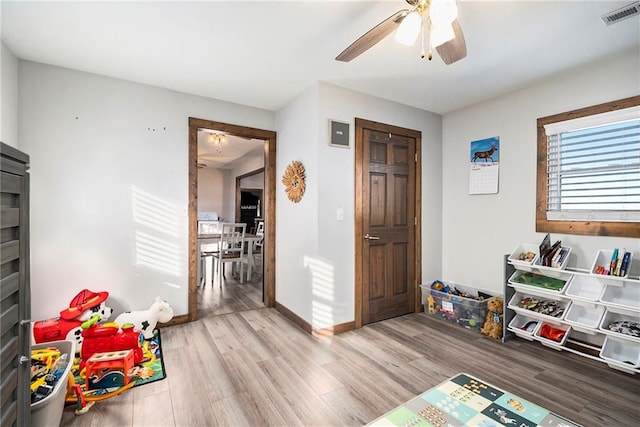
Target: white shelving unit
591,303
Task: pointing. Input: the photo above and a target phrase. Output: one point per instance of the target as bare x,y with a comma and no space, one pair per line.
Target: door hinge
415,220
415,157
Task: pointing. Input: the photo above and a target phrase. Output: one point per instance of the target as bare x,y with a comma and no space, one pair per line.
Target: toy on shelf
493,323
67,325
145,321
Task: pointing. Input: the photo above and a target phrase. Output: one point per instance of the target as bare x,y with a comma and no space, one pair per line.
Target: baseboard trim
176,320
306,326
334,330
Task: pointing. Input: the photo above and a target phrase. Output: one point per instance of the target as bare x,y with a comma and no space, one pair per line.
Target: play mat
467,401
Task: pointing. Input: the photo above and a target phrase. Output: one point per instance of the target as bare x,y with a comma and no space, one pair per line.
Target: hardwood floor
255,368
232,296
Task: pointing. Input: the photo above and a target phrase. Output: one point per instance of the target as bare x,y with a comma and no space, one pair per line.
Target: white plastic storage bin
537,283
567,249
621,352
580,316
584,288
611,317
543,336
622,295
603,258
524,326
515,257
48,411
528,309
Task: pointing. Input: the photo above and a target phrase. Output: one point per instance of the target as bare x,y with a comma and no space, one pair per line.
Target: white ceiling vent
622,13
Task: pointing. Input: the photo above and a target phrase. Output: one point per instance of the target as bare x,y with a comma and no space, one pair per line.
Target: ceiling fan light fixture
441,34
443,12
407,32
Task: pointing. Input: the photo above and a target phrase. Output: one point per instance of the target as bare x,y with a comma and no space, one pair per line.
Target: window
589,171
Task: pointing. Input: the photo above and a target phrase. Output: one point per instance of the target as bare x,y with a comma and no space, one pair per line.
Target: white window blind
594,172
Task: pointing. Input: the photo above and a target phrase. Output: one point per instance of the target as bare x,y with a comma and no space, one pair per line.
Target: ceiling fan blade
455,49
373,36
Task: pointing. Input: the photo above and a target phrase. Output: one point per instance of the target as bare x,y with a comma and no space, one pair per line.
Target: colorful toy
493,323
145,321
66,327
439,286
431,305
45,371
109,338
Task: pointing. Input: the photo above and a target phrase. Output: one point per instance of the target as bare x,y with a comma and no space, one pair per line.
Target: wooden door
14,288
389,220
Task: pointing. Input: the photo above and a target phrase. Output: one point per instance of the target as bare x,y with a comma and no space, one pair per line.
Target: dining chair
231,248
259,232
207,250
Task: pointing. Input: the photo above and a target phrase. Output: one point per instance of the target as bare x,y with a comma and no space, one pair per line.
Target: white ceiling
264,54
232,149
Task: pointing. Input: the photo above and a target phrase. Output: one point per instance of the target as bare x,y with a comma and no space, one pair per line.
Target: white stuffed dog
145,321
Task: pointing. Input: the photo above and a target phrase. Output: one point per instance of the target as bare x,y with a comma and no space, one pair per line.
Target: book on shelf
559,257
621,253
551,253
613,262
626,259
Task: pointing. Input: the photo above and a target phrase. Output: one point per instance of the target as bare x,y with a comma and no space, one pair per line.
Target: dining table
210,238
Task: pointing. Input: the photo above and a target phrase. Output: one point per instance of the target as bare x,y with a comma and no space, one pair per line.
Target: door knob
367,237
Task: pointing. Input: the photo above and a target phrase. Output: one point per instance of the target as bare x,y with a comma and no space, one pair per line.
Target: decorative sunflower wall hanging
293,180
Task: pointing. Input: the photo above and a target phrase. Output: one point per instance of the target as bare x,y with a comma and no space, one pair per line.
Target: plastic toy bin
621,352
48,411
469,313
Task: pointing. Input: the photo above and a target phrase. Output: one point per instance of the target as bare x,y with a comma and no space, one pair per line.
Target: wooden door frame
269,206
361,124
239,191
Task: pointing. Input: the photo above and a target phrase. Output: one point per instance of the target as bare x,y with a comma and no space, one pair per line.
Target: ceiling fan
440,18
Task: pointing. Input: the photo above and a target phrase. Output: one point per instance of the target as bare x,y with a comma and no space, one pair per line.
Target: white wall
109,187
253,182
315,251
8,96
297,223
211,185
478,230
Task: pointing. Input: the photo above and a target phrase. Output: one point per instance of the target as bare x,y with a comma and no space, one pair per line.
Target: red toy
54,329
103,339
67,326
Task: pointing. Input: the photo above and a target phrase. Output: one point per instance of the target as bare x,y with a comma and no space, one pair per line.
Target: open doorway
267,205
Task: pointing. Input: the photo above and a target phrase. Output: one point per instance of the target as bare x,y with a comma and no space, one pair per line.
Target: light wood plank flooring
255,368
232,296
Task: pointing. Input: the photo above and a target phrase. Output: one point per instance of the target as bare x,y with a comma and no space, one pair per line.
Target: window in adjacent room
589,171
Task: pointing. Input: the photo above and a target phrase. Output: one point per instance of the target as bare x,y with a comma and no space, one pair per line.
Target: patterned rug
149,370
467,401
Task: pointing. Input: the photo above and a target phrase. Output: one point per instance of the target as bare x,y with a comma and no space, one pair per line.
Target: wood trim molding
333,330
239,178
308,328
269,252
294,318
177,320
599,228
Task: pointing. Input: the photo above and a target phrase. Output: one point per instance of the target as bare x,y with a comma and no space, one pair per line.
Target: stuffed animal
67,326
145,321
493,324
